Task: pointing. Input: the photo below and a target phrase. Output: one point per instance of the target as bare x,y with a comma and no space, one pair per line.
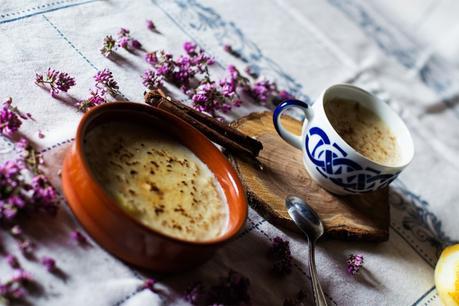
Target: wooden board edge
336,233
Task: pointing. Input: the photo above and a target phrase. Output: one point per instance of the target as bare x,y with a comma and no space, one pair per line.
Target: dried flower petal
152,80
78,237
27,248
231,290
150,25
97,97
195,294
136,44
262,91
123,32
354,263
56,80
109,46
49,263
151,58
12,261
123,42
149,283
189,47
105,81
281,256
21,276
227,48
10,118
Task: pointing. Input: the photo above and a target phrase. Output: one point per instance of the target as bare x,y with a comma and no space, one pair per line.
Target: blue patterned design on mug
331,162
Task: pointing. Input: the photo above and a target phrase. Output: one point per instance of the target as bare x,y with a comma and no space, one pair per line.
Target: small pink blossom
123,42
149,283
136,44
151,58
189,47
78,237
12,261
97,97
10,118
109,46
49,263
106,82
56,80
354,263
227,48
27,248
150,25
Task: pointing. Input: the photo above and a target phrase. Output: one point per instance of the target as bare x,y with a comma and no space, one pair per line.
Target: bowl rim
166,116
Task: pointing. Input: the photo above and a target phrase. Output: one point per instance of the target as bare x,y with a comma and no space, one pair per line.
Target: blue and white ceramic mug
329,160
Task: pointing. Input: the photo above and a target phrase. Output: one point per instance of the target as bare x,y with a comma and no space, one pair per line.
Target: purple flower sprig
14,288
27,248
354,263
126,41
20,195
12,261
207,98
179,71
190,72
104,83
151,25
151,58
211,98
109,46
265,92
152,80
78,237
195,294
15,190
262,91
281,257
56,80
31,159
149,284
10,118
49,263
96,97
232,289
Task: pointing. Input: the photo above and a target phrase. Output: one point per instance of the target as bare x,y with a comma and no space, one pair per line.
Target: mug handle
294,140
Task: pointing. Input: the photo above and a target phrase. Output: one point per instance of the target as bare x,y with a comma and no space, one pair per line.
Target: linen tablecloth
405,52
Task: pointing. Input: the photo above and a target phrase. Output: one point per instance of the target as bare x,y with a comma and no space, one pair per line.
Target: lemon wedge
447,276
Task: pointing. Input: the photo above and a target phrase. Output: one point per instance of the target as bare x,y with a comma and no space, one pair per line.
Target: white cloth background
405,52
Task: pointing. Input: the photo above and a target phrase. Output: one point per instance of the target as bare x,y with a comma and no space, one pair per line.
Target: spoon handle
319,296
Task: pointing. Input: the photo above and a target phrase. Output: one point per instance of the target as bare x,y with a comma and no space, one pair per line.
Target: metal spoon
309,222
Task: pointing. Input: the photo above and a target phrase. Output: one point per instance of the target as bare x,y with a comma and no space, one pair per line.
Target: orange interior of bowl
185,134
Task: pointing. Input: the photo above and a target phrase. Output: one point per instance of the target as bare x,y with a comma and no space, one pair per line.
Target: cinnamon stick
215,130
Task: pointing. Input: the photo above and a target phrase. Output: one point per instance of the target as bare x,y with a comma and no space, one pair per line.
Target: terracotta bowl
118,232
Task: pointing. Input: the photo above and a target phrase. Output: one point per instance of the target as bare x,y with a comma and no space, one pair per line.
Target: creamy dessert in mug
157,180
364,131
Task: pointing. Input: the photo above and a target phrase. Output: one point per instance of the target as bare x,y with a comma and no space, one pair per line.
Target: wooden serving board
278,171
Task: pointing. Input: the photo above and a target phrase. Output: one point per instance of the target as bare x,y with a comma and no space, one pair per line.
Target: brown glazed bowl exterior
119,233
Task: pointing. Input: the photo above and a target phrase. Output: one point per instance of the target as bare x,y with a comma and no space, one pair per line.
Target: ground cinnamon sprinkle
158,181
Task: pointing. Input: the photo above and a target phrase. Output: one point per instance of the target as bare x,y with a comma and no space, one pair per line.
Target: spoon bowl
309,222
304,217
